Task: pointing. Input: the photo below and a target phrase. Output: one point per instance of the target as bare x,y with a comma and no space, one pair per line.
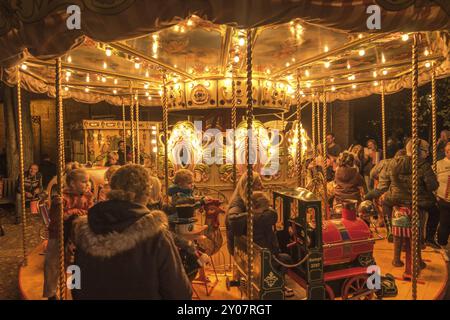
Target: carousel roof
126,47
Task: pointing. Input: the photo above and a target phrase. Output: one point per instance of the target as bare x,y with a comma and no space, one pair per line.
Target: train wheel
356,286
329,293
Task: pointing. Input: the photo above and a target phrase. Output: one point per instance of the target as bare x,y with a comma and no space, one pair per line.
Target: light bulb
149,97
87,78
190,23
137,65
308,84
207,84
69,59
268,84
348,65
333,88
375,83
66,88
103,79
332,79
353,86
426,53
427,64
86,89
115,91
375,74
108,52
68,74
146,74
176,28
383,59
287,64
385,72
327,64
105,65
268,71
360,36
307,72
177,86
155,149
241,41
405,37
228,82
362,52
24,67
146,85
326,49
115,81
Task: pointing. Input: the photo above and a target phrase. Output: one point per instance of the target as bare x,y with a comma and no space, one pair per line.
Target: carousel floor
431,285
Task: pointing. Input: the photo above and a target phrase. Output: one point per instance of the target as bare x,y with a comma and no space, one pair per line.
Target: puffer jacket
124,251
399,179
348,183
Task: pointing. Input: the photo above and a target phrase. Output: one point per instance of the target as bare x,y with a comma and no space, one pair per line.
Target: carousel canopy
128,47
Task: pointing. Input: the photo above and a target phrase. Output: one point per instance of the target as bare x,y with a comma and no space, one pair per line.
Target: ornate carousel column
22,170
60,173
249,167
415,159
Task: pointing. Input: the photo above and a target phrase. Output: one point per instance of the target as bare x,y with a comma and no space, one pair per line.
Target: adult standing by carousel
125,250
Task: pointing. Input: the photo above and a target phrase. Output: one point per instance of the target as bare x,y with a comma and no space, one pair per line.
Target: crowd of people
125,238
361,174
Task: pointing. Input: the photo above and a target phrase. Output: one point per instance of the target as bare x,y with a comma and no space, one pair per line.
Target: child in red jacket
76,200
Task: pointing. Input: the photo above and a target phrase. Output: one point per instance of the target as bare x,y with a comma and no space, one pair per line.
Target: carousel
191,82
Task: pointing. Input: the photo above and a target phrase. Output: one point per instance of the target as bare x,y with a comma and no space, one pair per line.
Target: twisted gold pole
325,153
298,133
383,122
313,127
434,116
60,147
22,171
415,159
133,127
138,149
166,136
233,126
249,167
124,131
319,122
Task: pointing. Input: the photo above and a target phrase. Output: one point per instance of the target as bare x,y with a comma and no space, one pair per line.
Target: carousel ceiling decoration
200,59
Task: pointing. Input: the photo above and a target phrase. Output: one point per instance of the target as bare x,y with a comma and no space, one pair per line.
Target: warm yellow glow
332,79
206,69
115,81
289,77
176,28
281,85
327,64
383,59
333,88
155,149
190,23
353,86
268,71
287,64
290,90
352,77
428,64
268,84
426,53
348,65
160,92
149,97
147,94
108,52
362,52
241,41
207,84
405,37
86,89
105,65
146,74
360,36
385,72
68,74
153,141
308,84
182,29
307,72
177,86
228,82
103,79
326,49
24,67
146,85
375,74
137,65
69,59
66,88
375,83
87,78
115,91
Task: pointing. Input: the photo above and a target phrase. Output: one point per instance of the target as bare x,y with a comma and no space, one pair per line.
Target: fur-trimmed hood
141,224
